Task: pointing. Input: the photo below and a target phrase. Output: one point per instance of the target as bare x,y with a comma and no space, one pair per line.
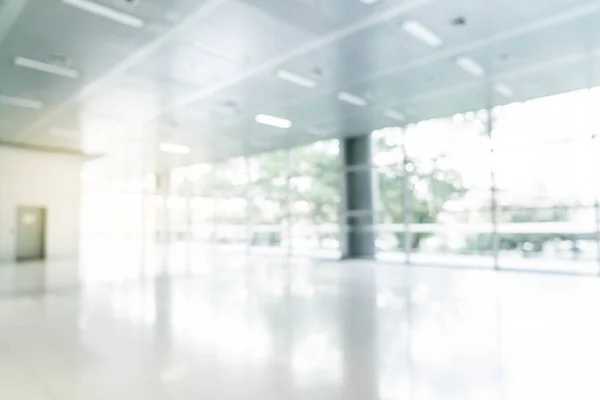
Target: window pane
231,205
546,174
558,237
388,164
315,198
448,175
268,195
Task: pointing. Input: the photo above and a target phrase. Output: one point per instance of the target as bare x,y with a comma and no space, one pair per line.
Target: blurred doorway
31,233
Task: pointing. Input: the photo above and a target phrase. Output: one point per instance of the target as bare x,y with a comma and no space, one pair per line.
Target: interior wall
38,179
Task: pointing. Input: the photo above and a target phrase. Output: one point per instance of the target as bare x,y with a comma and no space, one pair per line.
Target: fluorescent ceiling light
20,102
174,148
352,99
503,89
47,67
273,121
395,115
470,66
422,33
106,12
295,78
369,2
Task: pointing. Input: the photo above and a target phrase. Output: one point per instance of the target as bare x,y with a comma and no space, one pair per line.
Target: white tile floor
266,328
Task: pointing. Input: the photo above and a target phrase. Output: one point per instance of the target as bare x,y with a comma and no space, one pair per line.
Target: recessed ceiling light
352,99
47,67
470,66
20,102
273,121
503,89
395,115
106,12
295,79
128,3
318,72
369,2
458,21
175,148
422,33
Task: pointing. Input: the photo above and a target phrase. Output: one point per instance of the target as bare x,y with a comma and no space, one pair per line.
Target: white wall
39,179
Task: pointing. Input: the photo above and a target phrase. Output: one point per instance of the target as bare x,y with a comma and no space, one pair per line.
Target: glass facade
281,202
515,186
512,187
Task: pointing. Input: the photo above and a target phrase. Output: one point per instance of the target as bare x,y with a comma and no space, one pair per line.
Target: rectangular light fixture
369,2
422,33
295,79
20,102
47,67
106,12
175,148
503,89
273,121
470,66
395,115
352,99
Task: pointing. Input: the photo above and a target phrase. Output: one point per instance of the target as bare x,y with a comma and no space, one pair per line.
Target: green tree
429,189
318,166
529,215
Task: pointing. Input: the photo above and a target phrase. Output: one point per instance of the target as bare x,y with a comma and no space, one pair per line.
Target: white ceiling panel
198,72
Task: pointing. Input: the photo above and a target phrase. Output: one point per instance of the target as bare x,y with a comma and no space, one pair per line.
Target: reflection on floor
269,328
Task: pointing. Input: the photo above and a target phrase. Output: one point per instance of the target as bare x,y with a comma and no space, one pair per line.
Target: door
31,233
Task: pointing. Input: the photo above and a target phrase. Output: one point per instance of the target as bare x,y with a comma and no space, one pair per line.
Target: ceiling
198,71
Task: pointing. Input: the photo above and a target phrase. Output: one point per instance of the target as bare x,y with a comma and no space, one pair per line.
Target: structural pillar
357,214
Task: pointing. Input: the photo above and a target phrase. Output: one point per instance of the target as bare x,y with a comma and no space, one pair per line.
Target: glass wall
315,198
515,186
268,195
496,161
278,202
434,181
517,191
230,202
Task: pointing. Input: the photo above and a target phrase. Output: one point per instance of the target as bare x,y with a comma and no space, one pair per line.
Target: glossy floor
270,328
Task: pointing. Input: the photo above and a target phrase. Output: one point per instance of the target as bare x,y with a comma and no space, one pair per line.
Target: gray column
358,235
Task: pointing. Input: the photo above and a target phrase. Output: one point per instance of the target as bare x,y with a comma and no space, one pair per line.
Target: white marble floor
271,328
